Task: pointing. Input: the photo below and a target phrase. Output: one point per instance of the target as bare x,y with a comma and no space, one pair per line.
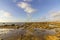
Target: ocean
10,23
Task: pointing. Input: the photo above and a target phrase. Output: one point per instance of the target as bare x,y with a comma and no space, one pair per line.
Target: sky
29,10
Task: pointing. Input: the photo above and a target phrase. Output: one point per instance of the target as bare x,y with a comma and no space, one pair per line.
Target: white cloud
29,10
54,16
23,5
5,14
54,13
26,7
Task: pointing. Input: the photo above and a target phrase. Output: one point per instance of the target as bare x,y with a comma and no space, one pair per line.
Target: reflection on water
3,31
8,34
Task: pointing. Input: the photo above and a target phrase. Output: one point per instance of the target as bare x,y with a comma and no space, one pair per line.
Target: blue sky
29,10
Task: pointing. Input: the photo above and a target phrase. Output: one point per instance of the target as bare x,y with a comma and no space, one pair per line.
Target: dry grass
31,25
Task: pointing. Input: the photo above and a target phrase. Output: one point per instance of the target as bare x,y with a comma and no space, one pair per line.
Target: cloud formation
26,7
55,13
55,16
52,16
5,14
